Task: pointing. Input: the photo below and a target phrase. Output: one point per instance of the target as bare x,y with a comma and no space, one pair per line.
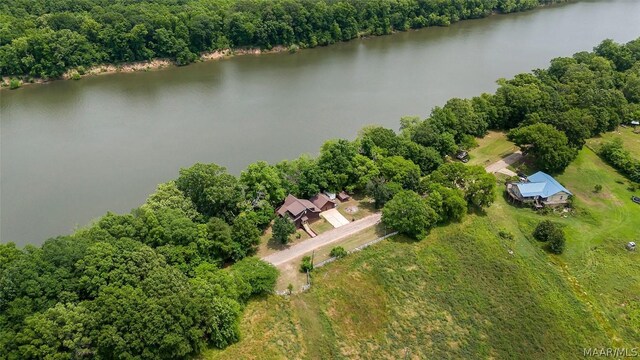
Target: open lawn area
491,148
460,293
630,140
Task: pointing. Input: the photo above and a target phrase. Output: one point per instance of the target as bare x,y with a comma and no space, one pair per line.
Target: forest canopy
171,277
46,38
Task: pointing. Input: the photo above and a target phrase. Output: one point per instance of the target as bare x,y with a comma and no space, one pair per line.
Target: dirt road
307,246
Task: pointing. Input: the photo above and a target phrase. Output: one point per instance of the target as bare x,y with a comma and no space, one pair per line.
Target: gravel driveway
335,235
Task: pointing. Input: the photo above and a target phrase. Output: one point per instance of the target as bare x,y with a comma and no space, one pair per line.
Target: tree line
171,277
46,38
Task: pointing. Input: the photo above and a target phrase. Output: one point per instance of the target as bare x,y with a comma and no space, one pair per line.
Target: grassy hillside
630,140
461,293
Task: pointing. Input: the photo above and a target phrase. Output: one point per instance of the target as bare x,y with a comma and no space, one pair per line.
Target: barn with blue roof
539,189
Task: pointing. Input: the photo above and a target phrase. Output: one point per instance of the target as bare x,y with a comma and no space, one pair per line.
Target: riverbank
150,65
17,81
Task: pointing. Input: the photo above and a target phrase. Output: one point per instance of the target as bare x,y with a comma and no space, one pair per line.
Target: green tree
409,214
213,191
245,235
260,275
168,196
282,229
548,145
262,181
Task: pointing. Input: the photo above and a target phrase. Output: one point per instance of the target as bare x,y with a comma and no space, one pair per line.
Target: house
300,211
323,202
539,189
343,196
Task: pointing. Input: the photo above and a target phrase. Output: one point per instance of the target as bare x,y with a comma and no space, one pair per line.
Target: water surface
72,150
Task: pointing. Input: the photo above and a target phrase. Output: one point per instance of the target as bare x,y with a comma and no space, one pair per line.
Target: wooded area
171,277
44,39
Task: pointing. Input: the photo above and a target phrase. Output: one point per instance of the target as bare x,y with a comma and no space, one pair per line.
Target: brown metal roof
296,206
320,200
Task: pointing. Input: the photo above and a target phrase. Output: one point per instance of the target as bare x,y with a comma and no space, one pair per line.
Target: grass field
630,140
491,148
466,292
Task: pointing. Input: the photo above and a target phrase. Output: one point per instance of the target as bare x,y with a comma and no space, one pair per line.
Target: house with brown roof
323,202
299,210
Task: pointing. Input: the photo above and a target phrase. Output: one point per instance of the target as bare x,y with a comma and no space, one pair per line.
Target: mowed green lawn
460,293
630,140
491,148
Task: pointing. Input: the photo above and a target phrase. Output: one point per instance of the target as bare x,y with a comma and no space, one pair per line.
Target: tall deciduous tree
409,214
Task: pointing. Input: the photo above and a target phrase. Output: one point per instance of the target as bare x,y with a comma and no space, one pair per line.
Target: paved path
307,246
501,165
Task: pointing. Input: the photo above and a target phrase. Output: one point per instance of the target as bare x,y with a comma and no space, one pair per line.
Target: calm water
71,150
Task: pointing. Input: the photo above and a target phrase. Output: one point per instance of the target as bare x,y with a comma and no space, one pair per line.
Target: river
72,150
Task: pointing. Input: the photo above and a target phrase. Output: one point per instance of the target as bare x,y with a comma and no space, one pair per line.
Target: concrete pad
334,218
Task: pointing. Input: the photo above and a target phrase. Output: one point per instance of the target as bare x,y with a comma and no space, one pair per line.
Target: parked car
635,199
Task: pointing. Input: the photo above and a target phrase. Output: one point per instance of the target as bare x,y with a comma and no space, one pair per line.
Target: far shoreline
164,63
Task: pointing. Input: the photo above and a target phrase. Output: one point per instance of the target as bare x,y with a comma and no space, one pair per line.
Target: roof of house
296,206
343,195
541,184
320,200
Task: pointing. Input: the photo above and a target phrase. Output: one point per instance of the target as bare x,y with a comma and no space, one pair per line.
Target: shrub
544,230
14,83
338,252
597,188
505,235
81,70
548,231
556,243
306,264
293,48
75,76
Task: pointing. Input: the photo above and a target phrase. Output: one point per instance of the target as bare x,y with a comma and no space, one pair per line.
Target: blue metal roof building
539,189
541,184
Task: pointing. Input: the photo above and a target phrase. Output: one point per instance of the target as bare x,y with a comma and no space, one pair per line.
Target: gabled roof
541,184
320,200
296,206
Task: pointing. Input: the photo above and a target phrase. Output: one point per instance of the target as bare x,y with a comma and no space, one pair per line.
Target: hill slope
460,293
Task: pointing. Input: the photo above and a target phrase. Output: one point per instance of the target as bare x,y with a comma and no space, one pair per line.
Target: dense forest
45,38
172,277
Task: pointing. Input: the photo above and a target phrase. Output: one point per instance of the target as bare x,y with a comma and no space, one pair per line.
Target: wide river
72,150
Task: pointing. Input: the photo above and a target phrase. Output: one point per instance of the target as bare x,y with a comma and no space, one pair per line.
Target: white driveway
334,218
501,165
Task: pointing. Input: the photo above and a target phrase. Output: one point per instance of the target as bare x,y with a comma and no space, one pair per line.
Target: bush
293,48
548,231
338,252
597,188
306,264
544,230
556,243
505,235
14,83
75,76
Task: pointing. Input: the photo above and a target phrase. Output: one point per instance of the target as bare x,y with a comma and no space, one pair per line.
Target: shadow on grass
274,244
